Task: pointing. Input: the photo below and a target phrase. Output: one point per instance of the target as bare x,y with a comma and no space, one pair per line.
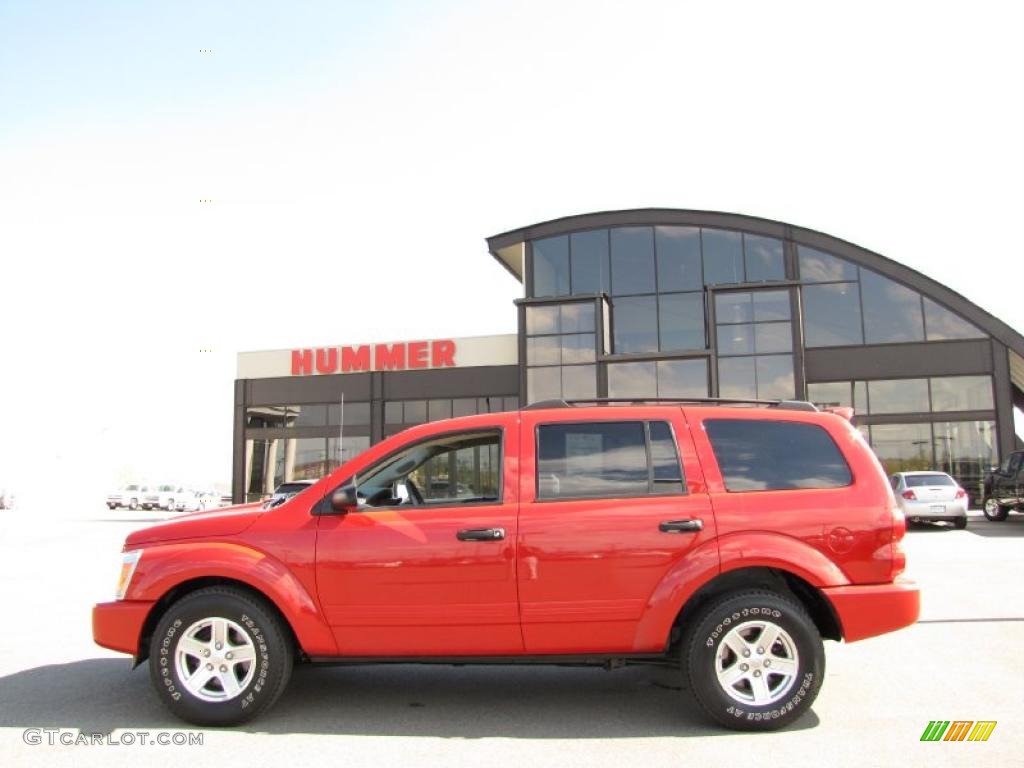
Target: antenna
341,432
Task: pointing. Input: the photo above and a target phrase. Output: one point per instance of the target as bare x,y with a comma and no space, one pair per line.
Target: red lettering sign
389,358
302,362
355,359
443,354
327,360
386,357
417,354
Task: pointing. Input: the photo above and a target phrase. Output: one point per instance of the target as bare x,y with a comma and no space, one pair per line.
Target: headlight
128,562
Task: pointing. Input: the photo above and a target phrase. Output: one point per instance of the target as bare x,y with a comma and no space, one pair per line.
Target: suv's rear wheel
754,660
219,657
994,510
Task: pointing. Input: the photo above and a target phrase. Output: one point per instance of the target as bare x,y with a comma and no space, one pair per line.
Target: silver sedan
930,496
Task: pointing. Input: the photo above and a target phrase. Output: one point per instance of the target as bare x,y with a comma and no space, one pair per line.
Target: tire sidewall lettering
705,646
166,675
720,629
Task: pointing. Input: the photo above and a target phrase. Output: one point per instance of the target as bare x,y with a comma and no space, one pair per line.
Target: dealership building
671,304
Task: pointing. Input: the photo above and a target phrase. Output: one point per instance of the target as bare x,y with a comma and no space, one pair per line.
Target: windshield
918,481
291,488
284,492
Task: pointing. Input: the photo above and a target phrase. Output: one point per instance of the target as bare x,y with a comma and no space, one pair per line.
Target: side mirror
344,499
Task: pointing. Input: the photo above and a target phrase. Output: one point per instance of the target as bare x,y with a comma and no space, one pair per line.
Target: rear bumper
924,510
118,625
874,609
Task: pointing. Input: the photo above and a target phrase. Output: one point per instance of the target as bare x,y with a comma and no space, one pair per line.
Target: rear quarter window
768,455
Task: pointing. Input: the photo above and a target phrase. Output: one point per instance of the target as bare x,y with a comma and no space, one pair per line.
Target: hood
215,522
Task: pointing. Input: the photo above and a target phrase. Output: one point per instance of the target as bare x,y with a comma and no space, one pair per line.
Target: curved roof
507,248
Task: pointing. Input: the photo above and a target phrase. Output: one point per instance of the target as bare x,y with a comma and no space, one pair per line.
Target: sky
356,155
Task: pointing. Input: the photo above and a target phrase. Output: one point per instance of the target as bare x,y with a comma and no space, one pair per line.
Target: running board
609,661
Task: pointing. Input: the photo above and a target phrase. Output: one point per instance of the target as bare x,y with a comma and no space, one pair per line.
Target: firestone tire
995,511
746,679
219,656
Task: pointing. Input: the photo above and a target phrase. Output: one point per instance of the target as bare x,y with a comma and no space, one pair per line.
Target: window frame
682,491
323,507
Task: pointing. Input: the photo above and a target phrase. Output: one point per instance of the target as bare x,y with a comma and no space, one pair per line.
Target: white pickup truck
163,497
130,496
196,501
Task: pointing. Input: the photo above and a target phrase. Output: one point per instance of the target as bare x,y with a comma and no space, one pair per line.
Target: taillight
899,530
899,524
909,495
960,493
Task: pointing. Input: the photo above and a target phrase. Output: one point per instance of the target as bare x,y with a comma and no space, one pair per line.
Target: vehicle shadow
1011,526
529,702
926,527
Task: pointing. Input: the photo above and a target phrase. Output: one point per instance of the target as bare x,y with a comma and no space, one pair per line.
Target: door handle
681,526
481,534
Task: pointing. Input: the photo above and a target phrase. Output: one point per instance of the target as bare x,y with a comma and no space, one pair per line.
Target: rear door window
768,455
607,459
666,474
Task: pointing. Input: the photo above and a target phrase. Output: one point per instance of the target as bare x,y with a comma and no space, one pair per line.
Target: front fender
163,567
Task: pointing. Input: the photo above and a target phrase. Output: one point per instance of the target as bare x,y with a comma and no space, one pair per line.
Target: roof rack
787,405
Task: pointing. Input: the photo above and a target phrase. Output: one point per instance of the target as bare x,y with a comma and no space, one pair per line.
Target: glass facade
308,415
661,378
650,308
887,396
271,461
561,351
659,281
401,414
696,311
962,448
845,304
305,442
754,335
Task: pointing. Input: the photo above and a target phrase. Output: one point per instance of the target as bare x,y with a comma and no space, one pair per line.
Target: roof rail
787,405
541,404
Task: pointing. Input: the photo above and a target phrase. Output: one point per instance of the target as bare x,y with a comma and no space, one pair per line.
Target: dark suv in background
1004,487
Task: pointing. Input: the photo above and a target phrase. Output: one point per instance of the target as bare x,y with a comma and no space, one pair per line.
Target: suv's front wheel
219,656
754,660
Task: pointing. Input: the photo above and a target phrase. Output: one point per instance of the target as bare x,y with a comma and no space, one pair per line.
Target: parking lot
961,662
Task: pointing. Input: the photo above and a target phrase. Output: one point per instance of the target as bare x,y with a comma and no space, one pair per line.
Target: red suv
724,539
